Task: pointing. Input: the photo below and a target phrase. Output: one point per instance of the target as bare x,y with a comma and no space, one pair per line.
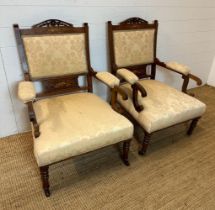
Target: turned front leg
145,143
192,126
126,145
44,172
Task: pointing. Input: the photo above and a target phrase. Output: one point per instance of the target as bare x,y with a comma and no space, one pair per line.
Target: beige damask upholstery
133,47
55,55
26,91
74,124
178,67
127,75
108,78
164,106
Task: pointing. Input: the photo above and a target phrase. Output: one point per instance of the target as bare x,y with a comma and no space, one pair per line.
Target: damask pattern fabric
55,55
75,124
164,106
127,75
133,47
178,67
108,78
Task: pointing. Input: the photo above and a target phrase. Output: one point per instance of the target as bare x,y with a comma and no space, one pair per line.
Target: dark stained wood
51,30
53,84
196,79
139,70
136,87
126,145
185,83
58,85
44,172
52,23
114,92
91,74
21,50
145,143
137,106
141,89
121,91
153,71
33,119
193,126
114,99
133,20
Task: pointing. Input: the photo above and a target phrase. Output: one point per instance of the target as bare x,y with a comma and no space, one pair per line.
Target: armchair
152,104
67,119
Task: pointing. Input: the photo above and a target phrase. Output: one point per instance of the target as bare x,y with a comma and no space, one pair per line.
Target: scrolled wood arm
114,92
185,77
135,88
141,89
132,79
121,91
196,79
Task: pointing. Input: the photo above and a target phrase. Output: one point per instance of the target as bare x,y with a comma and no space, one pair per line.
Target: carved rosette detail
52,23
134,20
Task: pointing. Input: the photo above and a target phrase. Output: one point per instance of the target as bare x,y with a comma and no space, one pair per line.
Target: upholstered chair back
134,47
53,55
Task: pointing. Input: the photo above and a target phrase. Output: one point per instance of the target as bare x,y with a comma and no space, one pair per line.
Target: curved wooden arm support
186,78
141,89
196,79
114,92
120,91
33,119
138,87
185,83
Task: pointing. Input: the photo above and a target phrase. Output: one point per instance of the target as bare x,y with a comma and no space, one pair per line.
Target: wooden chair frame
60,85
135,23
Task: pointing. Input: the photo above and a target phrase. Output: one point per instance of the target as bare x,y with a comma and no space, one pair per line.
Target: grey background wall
211,77
186,34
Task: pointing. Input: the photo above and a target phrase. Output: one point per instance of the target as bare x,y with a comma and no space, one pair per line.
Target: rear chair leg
192,126
44,172
126,145
145,143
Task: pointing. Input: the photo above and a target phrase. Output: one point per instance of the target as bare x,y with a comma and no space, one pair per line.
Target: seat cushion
164,106
75,124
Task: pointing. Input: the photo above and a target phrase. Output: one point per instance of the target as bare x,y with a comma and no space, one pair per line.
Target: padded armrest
132,79
181,69
178,67
26,91
127,75
108,78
